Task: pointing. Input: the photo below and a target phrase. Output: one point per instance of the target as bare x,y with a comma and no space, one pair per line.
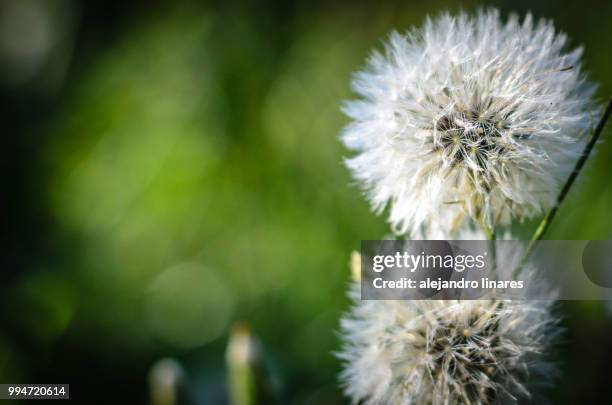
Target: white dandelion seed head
445,352
468,117
451,351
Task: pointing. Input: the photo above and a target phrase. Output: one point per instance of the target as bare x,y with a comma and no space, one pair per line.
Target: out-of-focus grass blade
248,380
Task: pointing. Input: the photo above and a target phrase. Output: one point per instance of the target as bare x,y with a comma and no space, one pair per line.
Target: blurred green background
172,168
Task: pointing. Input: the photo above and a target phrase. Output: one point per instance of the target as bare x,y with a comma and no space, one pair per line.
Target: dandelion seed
447,352
468,118
444,352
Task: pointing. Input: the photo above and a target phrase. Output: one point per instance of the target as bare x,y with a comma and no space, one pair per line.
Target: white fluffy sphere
468,117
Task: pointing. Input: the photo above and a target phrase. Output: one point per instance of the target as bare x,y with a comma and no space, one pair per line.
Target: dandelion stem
547,220
490,233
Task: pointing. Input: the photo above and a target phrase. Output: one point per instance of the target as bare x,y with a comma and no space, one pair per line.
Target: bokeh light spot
188,305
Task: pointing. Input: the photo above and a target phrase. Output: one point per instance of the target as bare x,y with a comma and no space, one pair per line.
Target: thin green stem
491,236
489,232
547,220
